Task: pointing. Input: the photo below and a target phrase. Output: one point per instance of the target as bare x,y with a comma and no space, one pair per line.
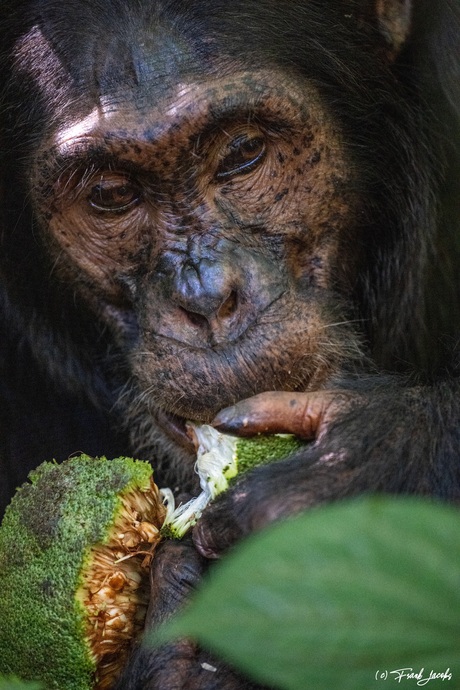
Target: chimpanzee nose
213,294
207,292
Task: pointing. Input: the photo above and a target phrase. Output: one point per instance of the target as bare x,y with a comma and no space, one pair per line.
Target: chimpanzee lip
175,427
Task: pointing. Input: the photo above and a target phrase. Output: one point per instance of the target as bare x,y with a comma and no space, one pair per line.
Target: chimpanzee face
202,217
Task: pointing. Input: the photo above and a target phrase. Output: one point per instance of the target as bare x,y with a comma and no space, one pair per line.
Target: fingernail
226,420
236,425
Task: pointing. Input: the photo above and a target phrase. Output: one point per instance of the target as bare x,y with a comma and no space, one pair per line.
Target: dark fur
392,308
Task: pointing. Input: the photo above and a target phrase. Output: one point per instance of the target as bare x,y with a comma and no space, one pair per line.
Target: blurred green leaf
16,684
338,597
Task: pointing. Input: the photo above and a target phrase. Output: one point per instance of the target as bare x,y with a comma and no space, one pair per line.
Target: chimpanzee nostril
195,318
229,306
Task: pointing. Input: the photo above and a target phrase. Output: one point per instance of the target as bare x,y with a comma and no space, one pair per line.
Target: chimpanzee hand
175,571
382,438
305,415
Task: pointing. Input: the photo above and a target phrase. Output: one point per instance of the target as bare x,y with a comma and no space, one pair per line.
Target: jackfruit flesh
220,459
75,545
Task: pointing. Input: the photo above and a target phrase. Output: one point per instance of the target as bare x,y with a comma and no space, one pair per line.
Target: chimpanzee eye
113,194
241,155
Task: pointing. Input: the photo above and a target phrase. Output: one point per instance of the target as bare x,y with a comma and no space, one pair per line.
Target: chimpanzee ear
394,18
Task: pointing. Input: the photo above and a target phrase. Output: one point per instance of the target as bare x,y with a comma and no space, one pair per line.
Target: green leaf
10,683
338,597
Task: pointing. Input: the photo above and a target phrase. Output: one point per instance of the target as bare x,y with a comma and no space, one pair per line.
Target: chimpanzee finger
175,571
220,527
302,414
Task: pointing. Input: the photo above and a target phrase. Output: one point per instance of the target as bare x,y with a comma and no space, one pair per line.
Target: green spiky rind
45,540
261,450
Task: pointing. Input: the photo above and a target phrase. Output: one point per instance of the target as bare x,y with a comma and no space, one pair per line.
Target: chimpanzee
244,213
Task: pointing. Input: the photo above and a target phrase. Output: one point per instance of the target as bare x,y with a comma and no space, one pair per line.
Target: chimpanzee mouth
175,427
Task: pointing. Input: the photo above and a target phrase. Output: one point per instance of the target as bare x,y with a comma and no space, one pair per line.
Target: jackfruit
75,544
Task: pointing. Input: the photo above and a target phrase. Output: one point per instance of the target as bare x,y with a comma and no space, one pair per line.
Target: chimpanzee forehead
144,64
111,54
154,76
189,112
113,43
79,56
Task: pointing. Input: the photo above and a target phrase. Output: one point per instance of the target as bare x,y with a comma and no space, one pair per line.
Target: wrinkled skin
240,213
